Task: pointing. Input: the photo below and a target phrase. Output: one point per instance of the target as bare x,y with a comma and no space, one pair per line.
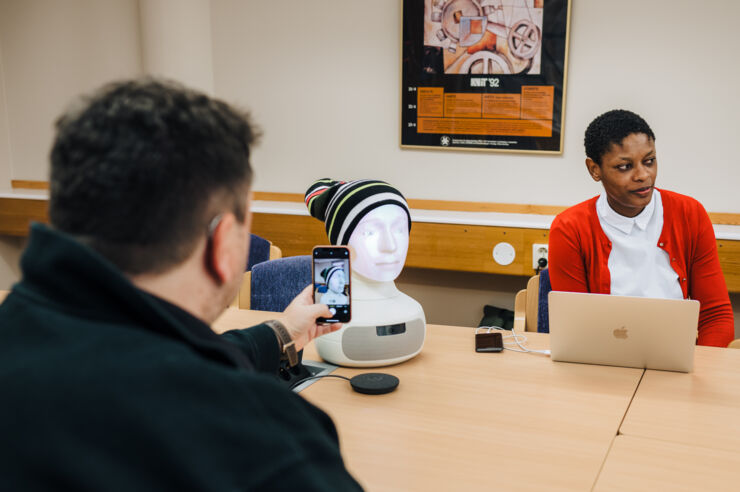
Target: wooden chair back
525,306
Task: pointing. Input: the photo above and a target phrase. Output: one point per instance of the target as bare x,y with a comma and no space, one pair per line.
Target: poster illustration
484,74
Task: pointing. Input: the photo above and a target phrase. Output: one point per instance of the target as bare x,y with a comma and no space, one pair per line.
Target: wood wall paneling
16,215
466,248
29,185
729,258
436,246
293,234
470,248
421,204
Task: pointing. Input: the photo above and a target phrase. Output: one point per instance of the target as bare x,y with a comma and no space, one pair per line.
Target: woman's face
337,282
628,173
380,242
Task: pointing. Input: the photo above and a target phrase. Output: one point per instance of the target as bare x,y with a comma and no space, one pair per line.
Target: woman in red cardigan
635,239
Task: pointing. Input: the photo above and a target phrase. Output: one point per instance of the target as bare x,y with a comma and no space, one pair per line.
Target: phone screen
489,342
331,282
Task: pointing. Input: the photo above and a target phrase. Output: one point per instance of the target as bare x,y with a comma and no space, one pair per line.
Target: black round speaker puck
374,383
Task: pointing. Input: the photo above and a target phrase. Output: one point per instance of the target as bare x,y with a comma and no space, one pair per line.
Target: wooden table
682,431
467,421
699,409
643,464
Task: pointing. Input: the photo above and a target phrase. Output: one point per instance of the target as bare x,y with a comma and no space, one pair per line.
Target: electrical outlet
538,251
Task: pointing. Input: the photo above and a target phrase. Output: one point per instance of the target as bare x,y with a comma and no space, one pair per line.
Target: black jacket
104,387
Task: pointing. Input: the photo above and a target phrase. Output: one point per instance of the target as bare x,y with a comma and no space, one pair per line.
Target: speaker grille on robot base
362,343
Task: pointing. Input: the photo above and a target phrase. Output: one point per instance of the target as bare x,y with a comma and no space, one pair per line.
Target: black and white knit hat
328,272
341,205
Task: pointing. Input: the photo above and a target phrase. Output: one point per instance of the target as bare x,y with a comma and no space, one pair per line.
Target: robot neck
365,289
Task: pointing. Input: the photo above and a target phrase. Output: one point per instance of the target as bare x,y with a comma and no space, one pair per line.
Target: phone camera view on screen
331,282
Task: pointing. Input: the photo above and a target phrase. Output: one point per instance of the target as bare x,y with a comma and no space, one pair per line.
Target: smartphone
489,342
332,282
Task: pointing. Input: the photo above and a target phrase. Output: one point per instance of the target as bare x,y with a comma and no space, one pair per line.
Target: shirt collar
620,222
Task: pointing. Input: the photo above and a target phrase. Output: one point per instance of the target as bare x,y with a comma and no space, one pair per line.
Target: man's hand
300,319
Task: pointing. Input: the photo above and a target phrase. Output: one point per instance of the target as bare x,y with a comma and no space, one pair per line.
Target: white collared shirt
637,266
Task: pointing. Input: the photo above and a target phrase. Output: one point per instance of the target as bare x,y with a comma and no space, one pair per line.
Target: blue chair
259,250
275,283
543,311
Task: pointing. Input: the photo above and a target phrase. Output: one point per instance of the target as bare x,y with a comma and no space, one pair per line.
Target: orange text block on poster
429,101
537,101
480,126
501,106
463,105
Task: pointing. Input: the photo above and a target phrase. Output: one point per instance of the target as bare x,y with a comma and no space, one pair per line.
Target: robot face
380,242
337,282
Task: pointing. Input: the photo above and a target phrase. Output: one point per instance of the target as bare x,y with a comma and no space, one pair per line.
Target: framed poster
484,74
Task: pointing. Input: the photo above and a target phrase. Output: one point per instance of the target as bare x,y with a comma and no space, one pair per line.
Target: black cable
297,383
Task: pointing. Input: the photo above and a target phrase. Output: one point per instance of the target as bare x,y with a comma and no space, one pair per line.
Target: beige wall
176,40
323,80
457,298
5,159
10,247
52,51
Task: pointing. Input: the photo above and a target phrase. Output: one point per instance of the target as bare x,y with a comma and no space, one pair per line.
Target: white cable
519,339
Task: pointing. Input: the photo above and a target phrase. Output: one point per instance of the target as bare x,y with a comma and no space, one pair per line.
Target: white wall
5,156
53,51
323,80
176,41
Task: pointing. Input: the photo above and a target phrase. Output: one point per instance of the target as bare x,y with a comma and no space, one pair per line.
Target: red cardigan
579,255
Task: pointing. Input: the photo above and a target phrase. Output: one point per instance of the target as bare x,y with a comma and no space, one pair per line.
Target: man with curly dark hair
111,376
635,239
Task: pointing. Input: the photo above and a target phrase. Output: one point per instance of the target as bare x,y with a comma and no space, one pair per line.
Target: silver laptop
623,331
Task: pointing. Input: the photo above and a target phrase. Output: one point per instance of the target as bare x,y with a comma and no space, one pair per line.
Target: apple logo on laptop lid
620,333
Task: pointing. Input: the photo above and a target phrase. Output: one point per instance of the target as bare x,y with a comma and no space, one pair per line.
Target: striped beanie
341,205
329,271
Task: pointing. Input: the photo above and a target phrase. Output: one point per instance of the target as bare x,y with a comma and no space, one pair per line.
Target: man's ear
593,169
220,251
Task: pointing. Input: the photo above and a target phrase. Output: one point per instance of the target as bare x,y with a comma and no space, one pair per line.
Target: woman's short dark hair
611,128
140,167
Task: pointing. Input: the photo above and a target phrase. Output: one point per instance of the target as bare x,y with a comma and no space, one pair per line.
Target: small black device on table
489,342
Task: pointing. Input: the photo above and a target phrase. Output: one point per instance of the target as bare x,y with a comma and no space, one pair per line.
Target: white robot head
369,215
380,242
